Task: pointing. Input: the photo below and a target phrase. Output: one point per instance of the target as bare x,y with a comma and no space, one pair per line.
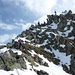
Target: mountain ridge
53,39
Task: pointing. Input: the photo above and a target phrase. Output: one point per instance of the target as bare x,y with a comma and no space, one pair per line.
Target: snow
48,33
17,72
42,30
37,29
33,30
53,25
4,50
69,21
14,50
67,32
71,28
17,51
71,37
65,28
44,43
62,56
48,50
32,52
52,69
24,39
60,33
39,36
62,45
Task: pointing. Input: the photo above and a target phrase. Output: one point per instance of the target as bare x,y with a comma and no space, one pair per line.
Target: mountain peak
46,49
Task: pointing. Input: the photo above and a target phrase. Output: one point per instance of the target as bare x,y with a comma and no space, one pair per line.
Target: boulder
65,68
41,72
9,45
46,64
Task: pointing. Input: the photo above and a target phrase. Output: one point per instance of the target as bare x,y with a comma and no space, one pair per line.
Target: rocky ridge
55,35
53,39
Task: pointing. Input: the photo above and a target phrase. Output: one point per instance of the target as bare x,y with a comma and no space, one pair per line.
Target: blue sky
17,15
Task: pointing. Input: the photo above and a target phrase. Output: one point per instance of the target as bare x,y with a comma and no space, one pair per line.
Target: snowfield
51,70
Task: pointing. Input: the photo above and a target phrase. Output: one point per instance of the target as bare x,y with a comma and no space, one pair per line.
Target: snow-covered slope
51,70
48,48
57,36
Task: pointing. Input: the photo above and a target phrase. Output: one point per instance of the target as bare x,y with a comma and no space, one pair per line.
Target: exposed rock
56,61
49,40
38,59
41,72
9,45
65,68
46,64
61,27
2,46
13,60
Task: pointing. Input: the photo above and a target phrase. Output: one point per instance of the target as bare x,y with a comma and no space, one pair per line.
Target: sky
17,15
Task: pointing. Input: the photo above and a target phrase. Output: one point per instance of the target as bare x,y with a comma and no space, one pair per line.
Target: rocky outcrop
57,38
57,35
12,60
41,72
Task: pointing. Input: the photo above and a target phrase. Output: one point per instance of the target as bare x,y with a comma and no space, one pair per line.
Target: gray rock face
61,42
41,72
12,60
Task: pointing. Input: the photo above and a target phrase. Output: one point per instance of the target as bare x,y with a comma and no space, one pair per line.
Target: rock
30,59
72,66
61,27
65,68
61,49
73,32
2,46
46,64
41,72
56,61
12,61
47,46
12,74
16,66
61,40
22,63
29,37
38,59
9,45
23,34
68,48
15,45
48,39
56,19
52,35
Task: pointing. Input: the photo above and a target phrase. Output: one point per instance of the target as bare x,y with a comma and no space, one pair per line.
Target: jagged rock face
57,34
11,60
41,72
56,39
